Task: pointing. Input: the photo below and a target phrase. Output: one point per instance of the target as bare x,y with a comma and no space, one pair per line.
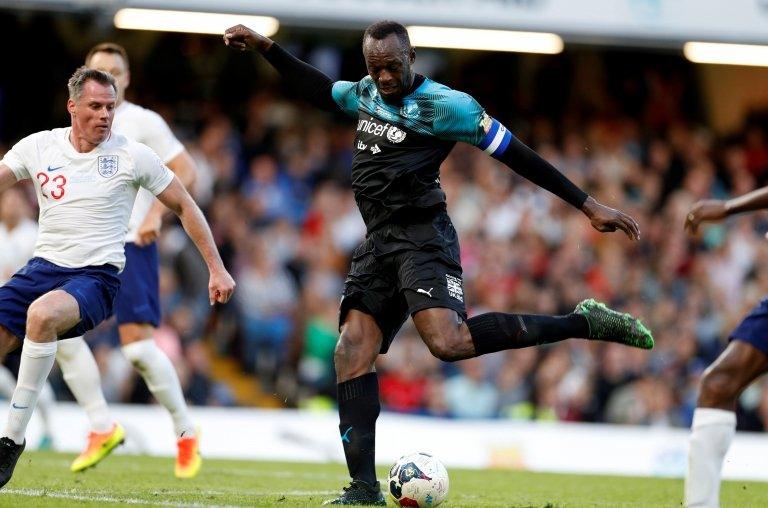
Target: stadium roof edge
650,24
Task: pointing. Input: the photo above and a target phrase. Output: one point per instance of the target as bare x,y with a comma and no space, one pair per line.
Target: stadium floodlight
727,54
191,22
485,40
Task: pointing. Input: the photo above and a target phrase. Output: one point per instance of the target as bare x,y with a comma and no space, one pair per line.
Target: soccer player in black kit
408,263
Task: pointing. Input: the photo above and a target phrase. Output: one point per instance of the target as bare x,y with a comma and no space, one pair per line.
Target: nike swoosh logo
54,169
14,406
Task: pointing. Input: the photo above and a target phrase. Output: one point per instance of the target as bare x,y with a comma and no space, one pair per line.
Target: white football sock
7,382
36,362
161,378
711,434
81,374
45,403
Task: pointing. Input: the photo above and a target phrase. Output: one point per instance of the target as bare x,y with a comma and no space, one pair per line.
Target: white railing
314,437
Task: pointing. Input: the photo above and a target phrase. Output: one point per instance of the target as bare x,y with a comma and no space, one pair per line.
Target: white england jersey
145,126
85,199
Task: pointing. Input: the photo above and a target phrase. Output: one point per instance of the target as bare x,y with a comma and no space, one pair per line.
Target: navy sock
359,407
496,331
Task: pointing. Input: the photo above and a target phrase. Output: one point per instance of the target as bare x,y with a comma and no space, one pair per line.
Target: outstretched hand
243,38
606,219
708,210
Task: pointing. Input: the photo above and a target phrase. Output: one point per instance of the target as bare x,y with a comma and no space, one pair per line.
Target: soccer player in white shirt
138,300
86,178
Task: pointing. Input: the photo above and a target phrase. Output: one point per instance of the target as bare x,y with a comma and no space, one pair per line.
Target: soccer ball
418,480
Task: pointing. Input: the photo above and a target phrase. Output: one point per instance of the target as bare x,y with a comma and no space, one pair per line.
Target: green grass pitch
43,480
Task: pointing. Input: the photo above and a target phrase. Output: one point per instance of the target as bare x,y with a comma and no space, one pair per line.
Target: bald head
388,58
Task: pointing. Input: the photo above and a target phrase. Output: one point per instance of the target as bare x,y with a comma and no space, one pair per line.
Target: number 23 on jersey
56,187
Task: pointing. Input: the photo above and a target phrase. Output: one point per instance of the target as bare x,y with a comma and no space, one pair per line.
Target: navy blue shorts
139,298
754,328
94,288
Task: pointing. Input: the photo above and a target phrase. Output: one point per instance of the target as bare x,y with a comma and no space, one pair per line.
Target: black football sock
359,407
496,331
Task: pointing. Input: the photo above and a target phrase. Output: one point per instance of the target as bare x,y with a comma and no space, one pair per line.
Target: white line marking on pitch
236,490
105,499
128,500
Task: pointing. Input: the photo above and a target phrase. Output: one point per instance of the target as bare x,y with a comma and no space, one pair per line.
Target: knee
448,347
134,332
40,317
355,353
351,343
718,388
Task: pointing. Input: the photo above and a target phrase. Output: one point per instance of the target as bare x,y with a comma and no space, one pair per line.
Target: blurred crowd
274,183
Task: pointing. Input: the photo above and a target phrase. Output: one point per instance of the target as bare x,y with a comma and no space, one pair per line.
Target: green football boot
612,326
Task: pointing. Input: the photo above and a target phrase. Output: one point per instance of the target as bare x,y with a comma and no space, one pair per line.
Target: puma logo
428,293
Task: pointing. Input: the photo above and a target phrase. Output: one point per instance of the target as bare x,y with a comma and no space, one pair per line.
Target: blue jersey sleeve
346,95
459,117
496,137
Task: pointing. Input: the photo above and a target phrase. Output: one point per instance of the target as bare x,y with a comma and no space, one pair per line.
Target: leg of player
7,382
44,403
451,339
714,420
359,406
81,373
138,315
163,381
49,315
8,342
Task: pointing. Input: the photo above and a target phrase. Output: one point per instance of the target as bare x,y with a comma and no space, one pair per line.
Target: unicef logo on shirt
108,165
395,135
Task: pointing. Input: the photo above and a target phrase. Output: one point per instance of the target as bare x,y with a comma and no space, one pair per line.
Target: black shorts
400,269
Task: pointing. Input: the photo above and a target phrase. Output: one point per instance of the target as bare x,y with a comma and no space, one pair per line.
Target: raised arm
461,118
712,210
175,196
306,81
